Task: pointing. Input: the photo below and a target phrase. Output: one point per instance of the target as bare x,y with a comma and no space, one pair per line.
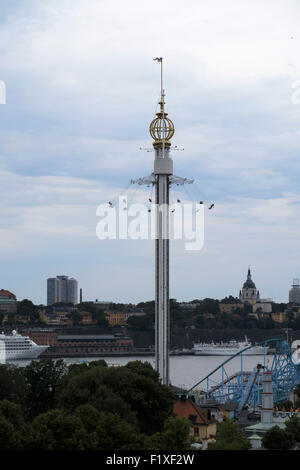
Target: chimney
80,296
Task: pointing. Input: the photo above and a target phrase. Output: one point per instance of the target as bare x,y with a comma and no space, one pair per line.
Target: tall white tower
162,130
267,399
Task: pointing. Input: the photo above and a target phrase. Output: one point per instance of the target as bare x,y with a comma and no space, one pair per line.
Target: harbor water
185,371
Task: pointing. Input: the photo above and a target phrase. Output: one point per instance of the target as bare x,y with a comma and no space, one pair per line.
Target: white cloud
81,90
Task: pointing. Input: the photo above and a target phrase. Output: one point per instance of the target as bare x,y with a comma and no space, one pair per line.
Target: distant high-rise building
62,289
249,293
53,291
294,293
72,291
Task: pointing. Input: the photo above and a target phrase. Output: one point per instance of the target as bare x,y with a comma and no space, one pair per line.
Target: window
196,431
192,418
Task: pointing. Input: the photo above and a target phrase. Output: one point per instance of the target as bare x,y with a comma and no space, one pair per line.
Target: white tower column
162,170
267,399
162,130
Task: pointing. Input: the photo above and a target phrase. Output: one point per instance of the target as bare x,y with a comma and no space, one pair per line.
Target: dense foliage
230,437
49,406
283,439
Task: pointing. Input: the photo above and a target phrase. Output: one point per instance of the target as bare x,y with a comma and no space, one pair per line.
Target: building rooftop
263,427
7,294
87,337
193,412
230,300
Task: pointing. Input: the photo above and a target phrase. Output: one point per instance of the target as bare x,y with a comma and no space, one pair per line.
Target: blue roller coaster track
245,387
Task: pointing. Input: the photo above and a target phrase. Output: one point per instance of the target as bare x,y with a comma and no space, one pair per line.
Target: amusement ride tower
162,130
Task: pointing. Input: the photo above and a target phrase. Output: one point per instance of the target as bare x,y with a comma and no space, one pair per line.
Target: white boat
228,349
16,346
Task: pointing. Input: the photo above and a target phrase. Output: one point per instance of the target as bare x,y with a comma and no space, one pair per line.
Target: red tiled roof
6,293
186,408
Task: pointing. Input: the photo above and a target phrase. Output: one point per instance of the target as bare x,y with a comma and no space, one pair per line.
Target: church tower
249,293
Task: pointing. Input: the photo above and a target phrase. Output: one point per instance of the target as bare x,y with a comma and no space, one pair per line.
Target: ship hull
33,353
255,352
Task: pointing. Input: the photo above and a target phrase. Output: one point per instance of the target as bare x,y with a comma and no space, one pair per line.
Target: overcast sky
82,89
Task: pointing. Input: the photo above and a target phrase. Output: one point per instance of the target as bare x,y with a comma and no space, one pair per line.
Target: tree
13,413
76,369
63,304
13,385
25,307
143,368
144,322
44,379
56,430
230,437
76,317
148,307
208,306
101,319
8,436
277,439
286,404
152,401
278,307
175,435
292,429
297,392
136,394
12,425
115,433
88,387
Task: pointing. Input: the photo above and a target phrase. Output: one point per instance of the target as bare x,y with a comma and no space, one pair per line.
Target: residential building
278,317
8,302
53,291
87,318
202,426
120,318
294,293
230,304
42,336
262,306
220,412
116,318
62,289
94,344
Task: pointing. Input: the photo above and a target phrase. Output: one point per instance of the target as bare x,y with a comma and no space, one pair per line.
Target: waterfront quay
136,352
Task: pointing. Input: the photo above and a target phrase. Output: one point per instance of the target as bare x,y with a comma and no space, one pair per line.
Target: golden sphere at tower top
161,128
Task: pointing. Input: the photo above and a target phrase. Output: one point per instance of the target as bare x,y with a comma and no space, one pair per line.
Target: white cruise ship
228,349
16,346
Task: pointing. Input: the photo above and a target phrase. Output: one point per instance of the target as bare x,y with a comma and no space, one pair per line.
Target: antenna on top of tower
162,103
160,59
161,128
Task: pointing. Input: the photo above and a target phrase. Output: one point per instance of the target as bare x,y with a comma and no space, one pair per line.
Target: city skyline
75,118
293,293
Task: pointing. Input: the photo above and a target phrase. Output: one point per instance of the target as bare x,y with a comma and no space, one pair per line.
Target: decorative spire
161,128
249,283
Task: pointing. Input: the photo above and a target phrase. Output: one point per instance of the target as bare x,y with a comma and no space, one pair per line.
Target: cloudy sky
81,89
